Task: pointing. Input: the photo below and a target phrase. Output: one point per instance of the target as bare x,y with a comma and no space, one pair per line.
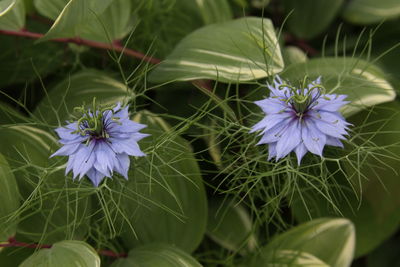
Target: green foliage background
205,194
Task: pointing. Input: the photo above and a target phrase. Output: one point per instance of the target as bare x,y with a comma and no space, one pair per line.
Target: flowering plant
100,142
222,133
300,119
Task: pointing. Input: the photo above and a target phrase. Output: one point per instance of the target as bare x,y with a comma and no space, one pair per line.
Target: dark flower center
301,103
95,127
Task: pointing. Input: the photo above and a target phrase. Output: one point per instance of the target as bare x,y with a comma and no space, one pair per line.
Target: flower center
94,123
301,102
94,126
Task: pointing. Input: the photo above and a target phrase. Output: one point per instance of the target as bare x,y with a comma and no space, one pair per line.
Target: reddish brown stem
12,242
113,254
116,46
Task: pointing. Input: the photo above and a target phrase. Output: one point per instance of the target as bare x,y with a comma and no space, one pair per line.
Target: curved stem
12,242
116,46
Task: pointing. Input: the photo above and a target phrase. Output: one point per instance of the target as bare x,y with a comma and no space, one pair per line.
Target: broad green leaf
157,255
287,258
242,50
371,11
292,55
76,90
330,240
6,5
164,197
169,21
26,145
50,9
113,24
14,256
12,15
259,3
9,115
364,83
64,254
308,18
20,57
385,39
9,199
378,215
116,21
73,17
230,226
213,11
50,212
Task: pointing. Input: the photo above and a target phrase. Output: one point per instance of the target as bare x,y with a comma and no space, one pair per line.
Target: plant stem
12,242
116,46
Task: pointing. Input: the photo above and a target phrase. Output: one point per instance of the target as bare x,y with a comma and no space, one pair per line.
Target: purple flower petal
300,151
105,158
270,106
289,140
122,164
333,142
67,150
98,152
330,102
300,119
274,134
270,121
95,176
313,139
271,151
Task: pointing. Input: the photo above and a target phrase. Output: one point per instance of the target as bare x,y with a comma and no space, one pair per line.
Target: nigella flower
100,142
300,119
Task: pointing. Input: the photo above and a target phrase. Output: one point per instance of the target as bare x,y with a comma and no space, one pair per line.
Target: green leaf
6,5
63,254
292,55
26,145
259,3
384,40
242,50
213,11
330,240
230,226
50,212
73,17
157,255
20,57
76,90
288,258
9,115
9,199
113,24
164,198
14,256
12,15
378,215
371,11
169,21
310,17
50,9
364,83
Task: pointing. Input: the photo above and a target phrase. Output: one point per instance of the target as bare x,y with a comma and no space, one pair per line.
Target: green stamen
91,122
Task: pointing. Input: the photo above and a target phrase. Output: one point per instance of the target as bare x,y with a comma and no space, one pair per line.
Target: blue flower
300,119
100,142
